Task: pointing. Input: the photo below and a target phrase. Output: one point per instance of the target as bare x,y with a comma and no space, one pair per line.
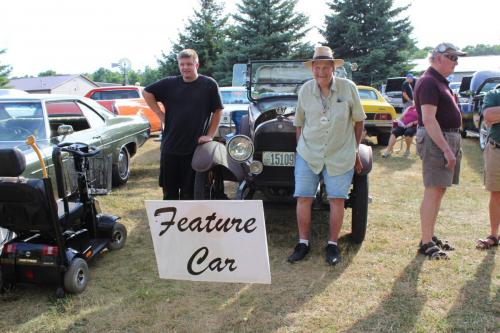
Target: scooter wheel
118,237
77,276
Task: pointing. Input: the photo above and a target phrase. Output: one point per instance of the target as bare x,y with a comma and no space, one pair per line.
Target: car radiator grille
279,136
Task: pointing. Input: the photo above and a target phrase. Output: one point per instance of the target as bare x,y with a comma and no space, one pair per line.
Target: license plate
277,158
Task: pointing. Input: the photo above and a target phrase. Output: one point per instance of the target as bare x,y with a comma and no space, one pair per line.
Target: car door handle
97,137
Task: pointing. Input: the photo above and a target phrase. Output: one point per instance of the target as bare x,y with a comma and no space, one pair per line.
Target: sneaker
386,154
299,253
332,254
407,153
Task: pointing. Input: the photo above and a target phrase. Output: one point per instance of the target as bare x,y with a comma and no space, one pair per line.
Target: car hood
366,102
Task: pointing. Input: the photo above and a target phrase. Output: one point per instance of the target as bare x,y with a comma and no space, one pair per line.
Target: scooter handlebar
79,148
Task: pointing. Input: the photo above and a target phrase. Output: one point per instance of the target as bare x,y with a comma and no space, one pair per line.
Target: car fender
366,155
213,153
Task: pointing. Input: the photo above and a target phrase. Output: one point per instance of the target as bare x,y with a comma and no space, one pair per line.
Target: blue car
471,94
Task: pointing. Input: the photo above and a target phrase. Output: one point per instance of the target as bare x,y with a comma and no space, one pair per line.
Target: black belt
448,130
494,143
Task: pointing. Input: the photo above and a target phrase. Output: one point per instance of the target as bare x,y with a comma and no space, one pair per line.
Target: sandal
487,243
432,251
443,244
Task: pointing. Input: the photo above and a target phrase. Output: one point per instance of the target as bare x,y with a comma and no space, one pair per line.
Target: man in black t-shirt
189,99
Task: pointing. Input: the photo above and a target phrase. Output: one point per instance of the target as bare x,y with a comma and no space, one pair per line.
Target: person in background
407,90
438,142
491,154
329,123
406,126
193,111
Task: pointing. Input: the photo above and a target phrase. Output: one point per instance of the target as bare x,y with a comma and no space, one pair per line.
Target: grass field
381,286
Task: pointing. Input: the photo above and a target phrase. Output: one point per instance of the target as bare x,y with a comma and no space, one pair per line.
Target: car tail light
383,116
29,275
10,248
50,250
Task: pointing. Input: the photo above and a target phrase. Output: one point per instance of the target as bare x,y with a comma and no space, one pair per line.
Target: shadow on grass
293,286
401,307
474,309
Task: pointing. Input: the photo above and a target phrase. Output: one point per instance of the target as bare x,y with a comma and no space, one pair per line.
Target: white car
234,99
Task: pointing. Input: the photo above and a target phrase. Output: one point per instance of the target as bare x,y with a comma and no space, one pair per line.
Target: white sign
221,241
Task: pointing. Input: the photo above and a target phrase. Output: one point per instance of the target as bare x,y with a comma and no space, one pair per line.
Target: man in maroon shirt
438,142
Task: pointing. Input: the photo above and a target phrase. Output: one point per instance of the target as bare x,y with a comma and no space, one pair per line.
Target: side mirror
65,130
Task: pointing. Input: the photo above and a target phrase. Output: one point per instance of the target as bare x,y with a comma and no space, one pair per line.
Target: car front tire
359,208
209,185
121,170
383,139
483,134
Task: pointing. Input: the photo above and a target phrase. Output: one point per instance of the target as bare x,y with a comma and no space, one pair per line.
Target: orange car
126,100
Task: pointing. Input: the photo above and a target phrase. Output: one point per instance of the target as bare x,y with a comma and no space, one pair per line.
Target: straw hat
323,53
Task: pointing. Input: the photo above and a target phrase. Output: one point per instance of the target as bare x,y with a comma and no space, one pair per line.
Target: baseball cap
448,48
410,76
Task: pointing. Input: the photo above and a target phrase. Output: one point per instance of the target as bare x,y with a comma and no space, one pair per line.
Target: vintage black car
261,157
471,95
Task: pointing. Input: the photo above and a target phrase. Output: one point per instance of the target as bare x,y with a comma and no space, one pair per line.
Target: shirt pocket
340,112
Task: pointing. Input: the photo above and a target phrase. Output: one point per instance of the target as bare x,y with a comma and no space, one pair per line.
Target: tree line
372,33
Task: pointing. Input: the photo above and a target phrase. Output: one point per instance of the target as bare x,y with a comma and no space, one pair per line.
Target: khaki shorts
434,169
491,168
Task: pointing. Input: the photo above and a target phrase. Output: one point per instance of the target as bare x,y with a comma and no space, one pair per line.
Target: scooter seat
24,205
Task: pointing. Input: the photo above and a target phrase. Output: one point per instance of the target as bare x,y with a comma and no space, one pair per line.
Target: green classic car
55,120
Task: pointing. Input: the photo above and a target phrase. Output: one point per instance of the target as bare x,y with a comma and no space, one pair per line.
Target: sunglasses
452,57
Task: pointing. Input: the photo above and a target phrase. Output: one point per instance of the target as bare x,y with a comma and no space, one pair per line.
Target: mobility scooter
54,239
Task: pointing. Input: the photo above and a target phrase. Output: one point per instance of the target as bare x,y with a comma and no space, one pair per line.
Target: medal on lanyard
324,102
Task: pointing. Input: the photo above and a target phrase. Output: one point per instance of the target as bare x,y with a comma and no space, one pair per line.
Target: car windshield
270,79
21,119
115,94
284,78
489,86
234,97
367,94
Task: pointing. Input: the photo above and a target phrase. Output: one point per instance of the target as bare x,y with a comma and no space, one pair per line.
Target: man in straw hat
438,142
329,122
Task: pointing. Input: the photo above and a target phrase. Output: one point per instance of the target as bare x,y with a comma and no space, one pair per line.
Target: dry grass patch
381,286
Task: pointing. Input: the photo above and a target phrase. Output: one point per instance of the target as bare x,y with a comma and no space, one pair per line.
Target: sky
72,37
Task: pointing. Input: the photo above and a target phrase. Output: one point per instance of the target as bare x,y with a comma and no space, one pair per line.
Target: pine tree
372,34
264,30
4,72
204,33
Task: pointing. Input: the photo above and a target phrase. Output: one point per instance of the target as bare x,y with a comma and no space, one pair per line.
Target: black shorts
410,131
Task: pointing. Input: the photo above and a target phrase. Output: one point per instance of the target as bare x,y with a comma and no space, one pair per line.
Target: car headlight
240,148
